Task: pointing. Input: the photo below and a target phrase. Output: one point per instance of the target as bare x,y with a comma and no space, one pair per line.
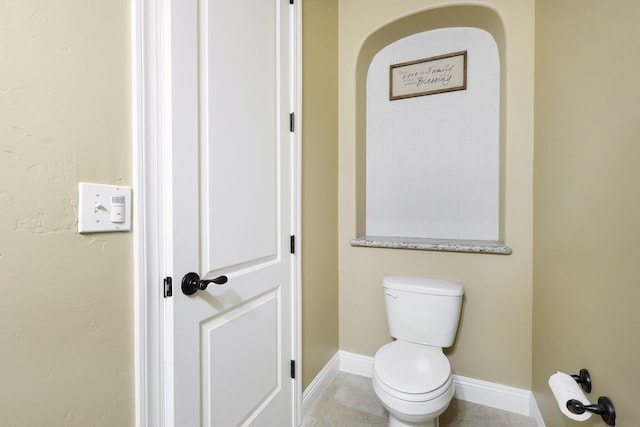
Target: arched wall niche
430,19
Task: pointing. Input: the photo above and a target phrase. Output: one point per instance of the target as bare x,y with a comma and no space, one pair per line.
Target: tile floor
349,401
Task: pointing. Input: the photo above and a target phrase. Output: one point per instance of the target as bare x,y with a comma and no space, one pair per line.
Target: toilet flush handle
391,294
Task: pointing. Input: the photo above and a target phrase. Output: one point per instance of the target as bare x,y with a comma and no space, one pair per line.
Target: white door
230,346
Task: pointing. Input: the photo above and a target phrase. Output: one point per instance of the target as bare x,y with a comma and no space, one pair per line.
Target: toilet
411,376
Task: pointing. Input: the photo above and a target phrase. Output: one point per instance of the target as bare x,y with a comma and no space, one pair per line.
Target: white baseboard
534,412
356,364
493,395
317,387
471,390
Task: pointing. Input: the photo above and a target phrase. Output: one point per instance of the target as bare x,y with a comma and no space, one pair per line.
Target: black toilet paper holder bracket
604,408
584,379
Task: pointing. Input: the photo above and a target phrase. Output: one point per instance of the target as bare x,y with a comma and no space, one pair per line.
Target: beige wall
67,305
494,341
319,186
587,202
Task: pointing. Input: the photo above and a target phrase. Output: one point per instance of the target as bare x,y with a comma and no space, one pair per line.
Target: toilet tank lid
423,285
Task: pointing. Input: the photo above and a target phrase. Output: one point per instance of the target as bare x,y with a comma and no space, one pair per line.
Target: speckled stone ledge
444,245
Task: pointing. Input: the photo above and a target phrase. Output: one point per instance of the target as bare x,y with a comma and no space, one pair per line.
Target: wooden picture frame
428,76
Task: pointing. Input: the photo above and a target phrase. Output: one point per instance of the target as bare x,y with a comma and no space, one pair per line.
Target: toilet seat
412,372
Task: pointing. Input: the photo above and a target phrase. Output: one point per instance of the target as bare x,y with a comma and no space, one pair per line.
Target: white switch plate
94,208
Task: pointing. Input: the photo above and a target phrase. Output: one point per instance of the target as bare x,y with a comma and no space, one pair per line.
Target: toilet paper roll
565,388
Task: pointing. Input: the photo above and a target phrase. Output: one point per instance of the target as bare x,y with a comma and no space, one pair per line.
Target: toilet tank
423,310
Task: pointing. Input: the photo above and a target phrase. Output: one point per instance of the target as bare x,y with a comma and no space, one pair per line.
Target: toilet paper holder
604,408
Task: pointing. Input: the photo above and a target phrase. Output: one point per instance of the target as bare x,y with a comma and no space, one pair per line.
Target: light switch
103,208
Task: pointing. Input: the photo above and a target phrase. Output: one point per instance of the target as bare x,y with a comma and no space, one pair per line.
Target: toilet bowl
412,377
413,382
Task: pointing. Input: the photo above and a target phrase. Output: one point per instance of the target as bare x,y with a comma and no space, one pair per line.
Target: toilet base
395,422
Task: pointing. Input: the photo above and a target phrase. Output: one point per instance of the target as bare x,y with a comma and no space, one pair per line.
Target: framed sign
438,74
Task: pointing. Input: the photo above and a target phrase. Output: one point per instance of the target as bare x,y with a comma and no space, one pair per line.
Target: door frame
150,78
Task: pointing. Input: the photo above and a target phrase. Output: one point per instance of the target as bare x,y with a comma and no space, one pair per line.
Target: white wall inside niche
433,161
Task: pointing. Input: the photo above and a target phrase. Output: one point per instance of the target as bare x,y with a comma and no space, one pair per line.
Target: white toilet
412,376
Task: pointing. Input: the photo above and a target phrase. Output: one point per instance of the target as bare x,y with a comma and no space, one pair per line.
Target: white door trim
148,131
297,215
149,77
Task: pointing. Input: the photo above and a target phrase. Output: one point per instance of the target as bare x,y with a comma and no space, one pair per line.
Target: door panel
251,357
240,128
229,346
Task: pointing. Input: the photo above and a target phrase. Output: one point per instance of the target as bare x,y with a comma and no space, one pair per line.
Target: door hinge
293,369
292,120
292,244
168,287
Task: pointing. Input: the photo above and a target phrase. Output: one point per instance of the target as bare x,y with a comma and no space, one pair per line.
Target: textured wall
587,202
66,310
494,340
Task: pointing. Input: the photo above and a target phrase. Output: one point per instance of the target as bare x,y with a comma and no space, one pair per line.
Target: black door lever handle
191,283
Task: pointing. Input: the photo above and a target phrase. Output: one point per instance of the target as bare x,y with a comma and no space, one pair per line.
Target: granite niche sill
443,245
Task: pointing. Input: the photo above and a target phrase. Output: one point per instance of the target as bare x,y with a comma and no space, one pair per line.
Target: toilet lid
412,368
